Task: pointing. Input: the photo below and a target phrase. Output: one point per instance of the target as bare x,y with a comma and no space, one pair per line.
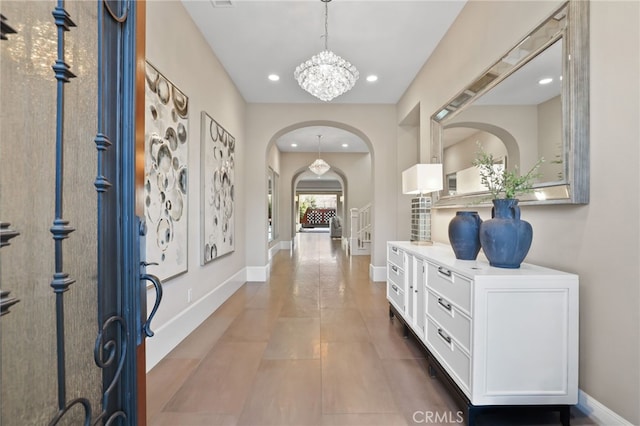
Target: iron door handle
157,284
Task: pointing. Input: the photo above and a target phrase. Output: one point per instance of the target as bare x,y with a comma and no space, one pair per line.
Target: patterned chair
335,226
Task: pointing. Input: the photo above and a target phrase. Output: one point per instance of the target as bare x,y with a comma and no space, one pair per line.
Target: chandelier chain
326,25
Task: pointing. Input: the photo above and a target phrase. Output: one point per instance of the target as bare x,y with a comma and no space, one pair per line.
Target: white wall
598,241
183,56
273,158
520,122
460,156
408,154
550,140
375,124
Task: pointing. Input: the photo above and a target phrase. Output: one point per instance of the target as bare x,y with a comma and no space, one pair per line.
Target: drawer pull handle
444,336
393,286
444,304
394,249
394,268
444,271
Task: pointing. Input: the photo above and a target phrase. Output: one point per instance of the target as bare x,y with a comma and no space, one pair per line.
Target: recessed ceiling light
372,78
274,77
294,145
345,145
545,80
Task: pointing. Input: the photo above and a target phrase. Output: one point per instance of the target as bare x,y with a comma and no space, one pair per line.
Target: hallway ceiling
306,139
391,39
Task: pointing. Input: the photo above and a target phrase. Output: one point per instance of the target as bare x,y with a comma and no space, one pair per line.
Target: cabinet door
525,342
419,291
409,262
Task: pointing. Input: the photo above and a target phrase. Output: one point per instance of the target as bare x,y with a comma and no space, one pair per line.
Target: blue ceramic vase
505,238
464,235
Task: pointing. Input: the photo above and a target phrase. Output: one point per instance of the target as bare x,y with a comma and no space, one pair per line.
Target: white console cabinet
503,337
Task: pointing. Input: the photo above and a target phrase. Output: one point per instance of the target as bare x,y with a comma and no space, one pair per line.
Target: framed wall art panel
218,183
166,162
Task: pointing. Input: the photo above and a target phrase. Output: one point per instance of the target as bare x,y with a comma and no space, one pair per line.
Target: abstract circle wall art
166,171
218,181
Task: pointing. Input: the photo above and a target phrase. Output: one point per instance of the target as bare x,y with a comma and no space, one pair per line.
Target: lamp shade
422,179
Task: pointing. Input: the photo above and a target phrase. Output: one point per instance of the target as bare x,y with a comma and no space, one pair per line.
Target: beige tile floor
312,346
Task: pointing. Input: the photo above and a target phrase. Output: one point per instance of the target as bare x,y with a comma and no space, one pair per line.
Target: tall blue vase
464,235
505,238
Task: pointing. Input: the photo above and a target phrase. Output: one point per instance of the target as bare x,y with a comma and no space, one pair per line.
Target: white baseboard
168,336
286,245
258,273
272,251
598,412
354,250
377,273
282,245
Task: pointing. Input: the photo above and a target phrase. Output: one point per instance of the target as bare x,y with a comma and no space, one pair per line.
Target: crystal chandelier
326,75
319,166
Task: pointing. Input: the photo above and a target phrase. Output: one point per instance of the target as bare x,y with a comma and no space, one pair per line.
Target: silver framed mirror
532,103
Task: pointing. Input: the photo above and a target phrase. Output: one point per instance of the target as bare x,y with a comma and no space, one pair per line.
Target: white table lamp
419,180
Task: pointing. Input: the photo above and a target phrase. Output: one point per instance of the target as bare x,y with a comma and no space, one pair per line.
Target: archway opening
347,184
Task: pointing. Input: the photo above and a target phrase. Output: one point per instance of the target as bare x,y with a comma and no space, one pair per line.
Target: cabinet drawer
449,353
450,317
395,274
454,287
396,296
395,255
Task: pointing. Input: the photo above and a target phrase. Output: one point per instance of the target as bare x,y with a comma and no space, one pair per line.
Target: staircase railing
361,226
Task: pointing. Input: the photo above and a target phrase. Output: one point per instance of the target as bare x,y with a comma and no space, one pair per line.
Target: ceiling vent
222,3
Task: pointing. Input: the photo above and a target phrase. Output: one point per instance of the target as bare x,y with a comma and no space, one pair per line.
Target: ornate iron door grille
6,233
119,298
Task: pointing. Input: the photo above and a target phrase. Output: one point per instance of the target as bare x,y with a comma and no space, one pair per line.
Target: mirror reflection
518,121
531,104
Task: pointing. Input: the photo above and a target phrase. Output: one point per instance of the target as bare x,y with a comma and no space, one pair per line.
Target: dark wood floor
312,346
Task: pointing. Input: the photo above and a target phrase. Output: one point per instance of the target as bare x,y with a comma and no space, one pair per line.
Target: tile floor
312,346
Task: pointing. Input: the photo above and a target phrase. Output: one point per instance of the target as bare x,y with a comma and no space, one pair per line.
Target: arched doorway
347,184
319,204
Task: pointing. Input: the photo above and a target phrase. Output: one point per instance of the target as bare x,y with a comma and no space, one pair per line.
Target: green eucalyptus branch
503,183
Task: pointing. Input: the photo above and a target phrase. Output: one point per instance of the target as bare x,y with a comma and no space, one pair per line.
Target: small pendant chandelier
326,75
319,166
